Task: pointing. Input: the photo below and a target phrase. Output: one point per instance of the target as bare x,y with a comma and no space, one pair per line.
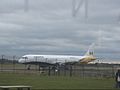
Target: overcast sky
48,27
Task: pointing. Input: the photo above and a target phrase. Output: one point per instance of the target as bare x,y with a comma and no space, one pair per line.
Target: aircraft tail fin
90,51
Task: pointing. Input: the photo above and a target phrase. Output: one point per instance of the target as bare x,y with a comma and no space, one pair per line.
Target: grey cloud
48,27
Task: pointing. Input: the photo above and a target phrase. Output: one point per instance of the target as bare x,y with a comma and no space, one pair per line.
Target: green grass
56,82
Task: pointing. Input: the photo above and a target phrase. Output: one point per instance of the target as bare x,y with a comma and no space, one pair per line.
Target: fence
10,65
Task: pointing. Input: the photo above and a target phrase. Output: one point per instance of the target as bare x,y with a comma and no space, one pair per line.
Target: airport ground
92,76
56,82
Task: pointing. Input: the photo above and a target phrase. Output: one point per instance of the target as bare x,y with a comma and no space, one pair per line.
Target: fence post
2,62
71,70
49,71
83,70
14,63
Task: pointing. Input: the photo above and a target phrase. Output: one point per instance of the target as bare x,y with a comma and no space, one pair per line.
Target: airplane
57,60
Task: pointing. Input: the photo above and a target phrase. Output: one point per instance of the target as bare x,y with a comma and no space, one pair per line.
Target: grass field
56,82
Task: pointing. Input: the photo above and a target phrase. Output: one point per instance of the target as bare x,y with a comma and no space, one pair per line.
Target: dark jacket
117,75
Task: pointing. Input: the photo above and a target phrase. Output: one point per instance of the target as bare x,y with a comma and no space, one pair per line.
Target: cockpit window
24,57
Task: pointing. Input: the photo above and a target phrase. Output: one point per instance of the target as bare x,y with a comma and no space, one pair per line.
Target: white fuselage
53,59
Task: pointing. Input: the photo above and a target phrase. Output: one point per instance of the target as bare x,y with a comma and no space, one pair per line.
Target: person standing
117,78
